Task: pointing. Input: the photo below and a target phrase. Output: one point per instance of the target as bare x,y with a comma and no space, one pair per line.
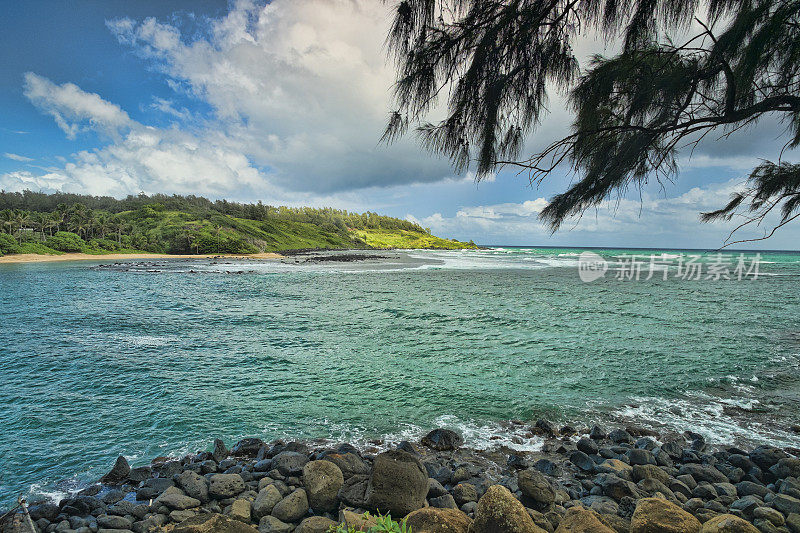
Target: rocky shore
583,480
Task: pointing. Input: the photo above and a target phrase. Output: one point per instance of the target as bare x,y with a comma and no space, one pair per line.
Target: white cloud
17,157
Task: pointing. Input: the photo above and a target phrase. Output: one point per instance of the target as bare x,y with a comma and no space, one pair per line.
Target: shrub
8,245
384,524
103,244
65,241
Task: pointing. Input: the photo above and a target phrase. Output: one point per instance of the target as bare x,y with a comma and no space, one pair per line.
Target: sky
285,102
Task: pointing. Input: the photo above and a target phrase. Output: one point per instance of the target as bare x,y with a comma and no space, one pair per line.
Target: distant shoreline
46,258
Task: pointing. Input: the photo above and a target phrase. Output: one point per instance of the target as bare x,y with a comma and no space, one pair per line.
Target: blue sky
285,103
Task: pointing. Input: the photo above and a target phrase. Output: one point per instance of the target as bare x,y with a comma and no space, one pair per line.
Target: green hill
55,223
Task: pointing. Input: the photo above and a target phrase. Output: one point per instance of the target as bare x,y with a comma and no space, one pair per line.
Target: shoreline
46,258
612,478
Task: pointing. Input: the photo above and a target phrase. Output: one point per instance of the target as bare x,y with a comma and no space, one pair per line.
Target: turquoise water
148,359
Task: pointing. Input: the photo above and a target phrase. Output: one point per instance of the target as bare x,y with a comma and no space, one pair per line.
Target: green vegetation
383,524
55,223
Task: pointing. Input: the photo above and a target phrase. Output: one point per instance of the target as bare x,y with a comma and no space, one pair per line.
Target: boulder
113,522
588,446
442,440
247,447
240,510
398,483
766,456
465,493
786,504
727,523
212,523
357,521
354,491
654,515
315,524
118,473
289,463
444,502
581,520
322,481
535,486
270,524
48,511
703,473
499,512
266,500
220,451
431,520
292,508
193,485
582,461
349,463
641,472
223,486
176,500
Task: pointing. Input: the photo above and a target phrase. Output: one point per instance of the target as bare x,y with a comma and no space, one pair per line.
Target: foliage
65,241
203,228
383,524
8,245
497,59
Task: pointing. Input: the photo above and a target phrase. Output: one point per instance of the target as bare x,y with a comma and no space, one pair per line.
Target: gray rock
465,492
266,500
177,501
113,522
587,446
353,491
349,463
193,485
292,508
442,440
786,504
247,447
220,451
315,524
49,511
535,486
435,489
703,473
398,483
619,436
270,524
582,461
768,513
640,456
444,502
766,456
747,504
118,473
225,485
289,463
322,481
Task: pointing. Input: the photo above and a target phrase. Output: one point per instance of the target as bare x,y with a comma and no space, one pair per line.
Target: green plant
65,241
8,245
383,524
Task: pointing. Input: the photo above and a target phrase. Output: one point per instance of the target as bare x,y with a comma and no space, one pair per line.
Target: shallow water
158,358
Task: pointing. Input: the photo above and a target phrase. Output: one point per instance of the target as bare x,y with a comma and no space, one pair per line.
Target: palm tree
7,221
23,219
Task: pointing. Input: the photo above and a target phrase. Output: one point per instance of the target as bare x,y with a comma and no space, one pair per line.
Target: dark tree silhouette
494,62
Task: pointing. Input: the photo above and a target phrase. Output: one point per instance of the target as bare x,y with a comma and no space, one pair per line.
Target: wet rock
640,456
266,500
193,485
770,514
315,524
349,463
118,473
517,462
322,480
248,447
546,427
786,504
442,440
582,461
619,436
548,467
597,433
616,487
647,471
587,446
432,520
398,483
766,456
223,486
212,523
703,473
727,523
535,486
220,451
654,515
289,463
48,511
499,512
786,467
581,520
292,508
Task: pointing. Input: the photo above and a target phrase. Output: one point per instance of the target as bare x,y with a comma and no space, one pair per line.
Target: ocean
159,357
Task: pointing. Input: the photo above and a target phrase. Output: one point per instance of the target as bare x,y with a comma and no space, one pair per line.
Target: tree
497,60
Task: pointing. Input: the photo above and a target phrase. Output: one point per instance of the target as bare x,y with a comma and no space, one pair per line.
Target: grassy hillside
190,225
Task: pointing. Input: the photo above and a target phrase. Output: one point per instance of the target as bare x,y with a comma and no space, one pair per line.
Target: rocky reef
582,480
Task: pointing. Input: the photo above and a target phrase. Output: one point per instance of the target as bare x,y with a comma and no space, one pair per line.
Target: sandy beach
44,258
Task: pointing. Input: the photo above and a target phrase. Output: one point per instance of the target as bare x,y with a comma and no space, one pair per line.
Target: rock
247,447
152,522
768,513
49,511
180,516
647,471
499,512
640,456
442,440
766,456
464,493
432,520
616,487
349,463
226,485
113,522
548,467
786,467
240,510
793,522
581,520
582,461
193,485
266,500
703,473
747,488
289,463
292,508
322,481
176,501
786,504
445,501
315,524
435,489
118,473
654,515
597,433
212,523
588,446
398,483
270,524
727,523
616,467
354,490
220,451
535,486
356,520
546,427
619,436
